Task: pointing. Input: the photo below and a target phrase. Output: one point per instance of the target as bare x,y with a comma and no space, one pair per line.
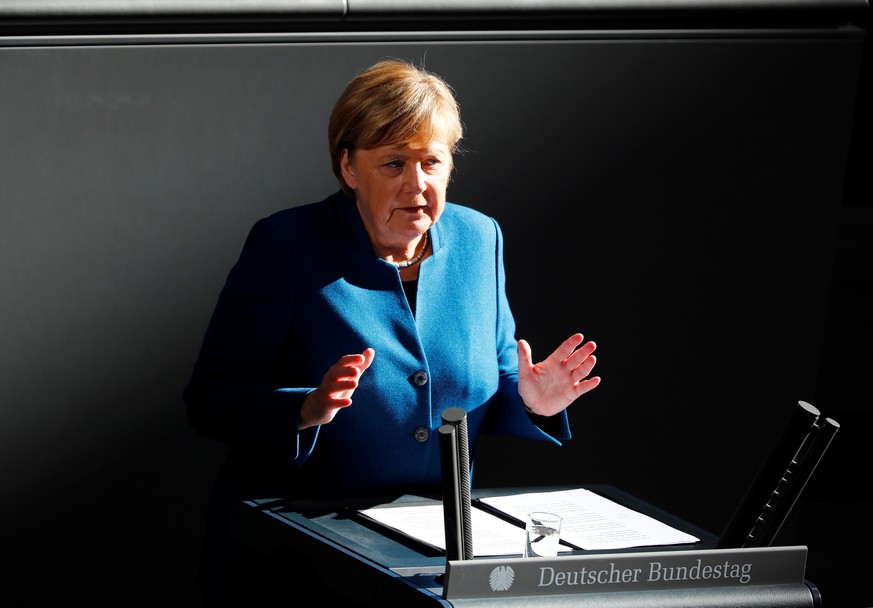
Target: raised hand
551,385
336,389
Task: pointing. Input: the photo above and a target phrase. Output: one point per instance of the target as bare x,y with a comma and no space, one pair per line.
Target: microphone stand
455,462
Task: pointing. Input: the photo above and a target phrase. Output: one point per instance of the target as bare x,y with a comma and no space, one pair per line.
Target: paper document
424,522
591,521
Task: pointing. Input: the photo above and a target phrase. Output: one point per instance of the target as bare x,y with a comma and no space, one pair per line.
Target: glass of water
542,533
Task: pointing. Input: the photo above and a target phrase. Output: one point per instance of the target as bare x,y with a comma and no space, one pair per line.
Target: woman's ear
347,170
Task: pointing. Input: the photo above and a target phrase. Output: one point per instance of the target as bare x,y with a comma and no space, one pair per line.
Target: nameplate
609,572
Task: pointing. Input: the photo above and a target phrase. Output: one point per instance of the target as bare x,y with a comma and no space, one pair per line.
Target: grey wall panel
675,198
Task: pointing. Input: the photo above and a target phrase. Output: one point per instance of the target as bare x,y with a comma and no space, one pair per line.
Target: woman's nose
416,179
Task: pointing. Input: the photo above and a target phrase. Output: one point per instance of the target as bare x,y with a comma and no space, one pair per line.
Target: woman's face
400,191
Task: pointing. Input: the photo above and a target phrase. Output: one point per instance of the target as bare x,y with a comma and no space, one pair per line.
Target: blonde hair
392,102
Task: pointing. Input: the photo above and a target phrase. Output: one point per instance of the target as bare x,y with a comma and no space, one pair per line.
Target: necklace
408,263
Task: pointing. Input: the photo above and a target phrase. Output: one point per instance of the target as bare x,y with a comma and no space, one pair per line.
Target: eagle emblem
501,578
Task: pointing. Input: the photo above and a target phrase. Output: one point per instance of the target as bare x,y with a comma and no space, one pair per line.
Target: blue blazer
308,289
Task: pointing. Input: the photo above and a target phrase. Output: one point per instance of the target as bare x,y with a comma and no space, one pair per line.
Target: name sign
608,572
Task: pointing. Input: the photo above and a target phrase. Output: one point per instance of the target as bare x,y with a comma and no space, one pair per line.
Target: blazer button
421,434
420,378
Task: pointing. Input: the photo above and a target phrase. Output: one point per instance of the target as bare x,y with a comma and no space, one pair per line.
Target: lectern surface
379,568
341,523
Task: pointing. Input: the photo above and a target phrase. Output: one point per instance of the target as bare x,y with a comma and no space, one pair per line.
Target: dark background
689,194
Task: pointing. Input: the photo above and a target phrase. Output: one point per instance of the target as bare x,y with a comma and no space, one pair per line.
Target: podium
373,566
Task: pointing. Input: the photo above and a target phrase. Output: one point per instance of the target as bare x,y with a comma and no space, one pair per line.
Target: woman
347,326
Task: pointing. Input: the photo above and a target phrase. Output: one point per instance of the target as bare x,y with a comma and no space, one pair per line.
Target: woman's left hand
548,387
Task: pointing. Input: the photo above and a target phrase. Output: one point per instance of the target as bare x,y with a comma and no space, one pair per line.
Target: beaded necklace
408,263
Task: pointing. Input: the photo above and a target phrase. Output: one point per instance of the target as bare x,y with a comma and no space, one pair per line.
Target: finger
586,385
581,354
353,365
338,390
369,354
342,373
338,385
337,402
355,360
568,346
524,355
582,371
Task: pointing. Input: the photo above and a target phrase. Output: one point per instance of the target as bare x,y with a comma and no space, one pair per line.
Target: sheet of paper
591,521
491,535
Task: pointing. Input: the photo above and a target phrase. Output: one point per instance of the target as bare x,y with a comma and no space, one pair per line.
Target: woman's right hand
335,391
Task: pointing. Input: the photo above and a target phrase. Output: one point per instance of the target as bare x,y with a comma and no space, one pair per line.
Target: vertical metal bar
457,417
452,516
